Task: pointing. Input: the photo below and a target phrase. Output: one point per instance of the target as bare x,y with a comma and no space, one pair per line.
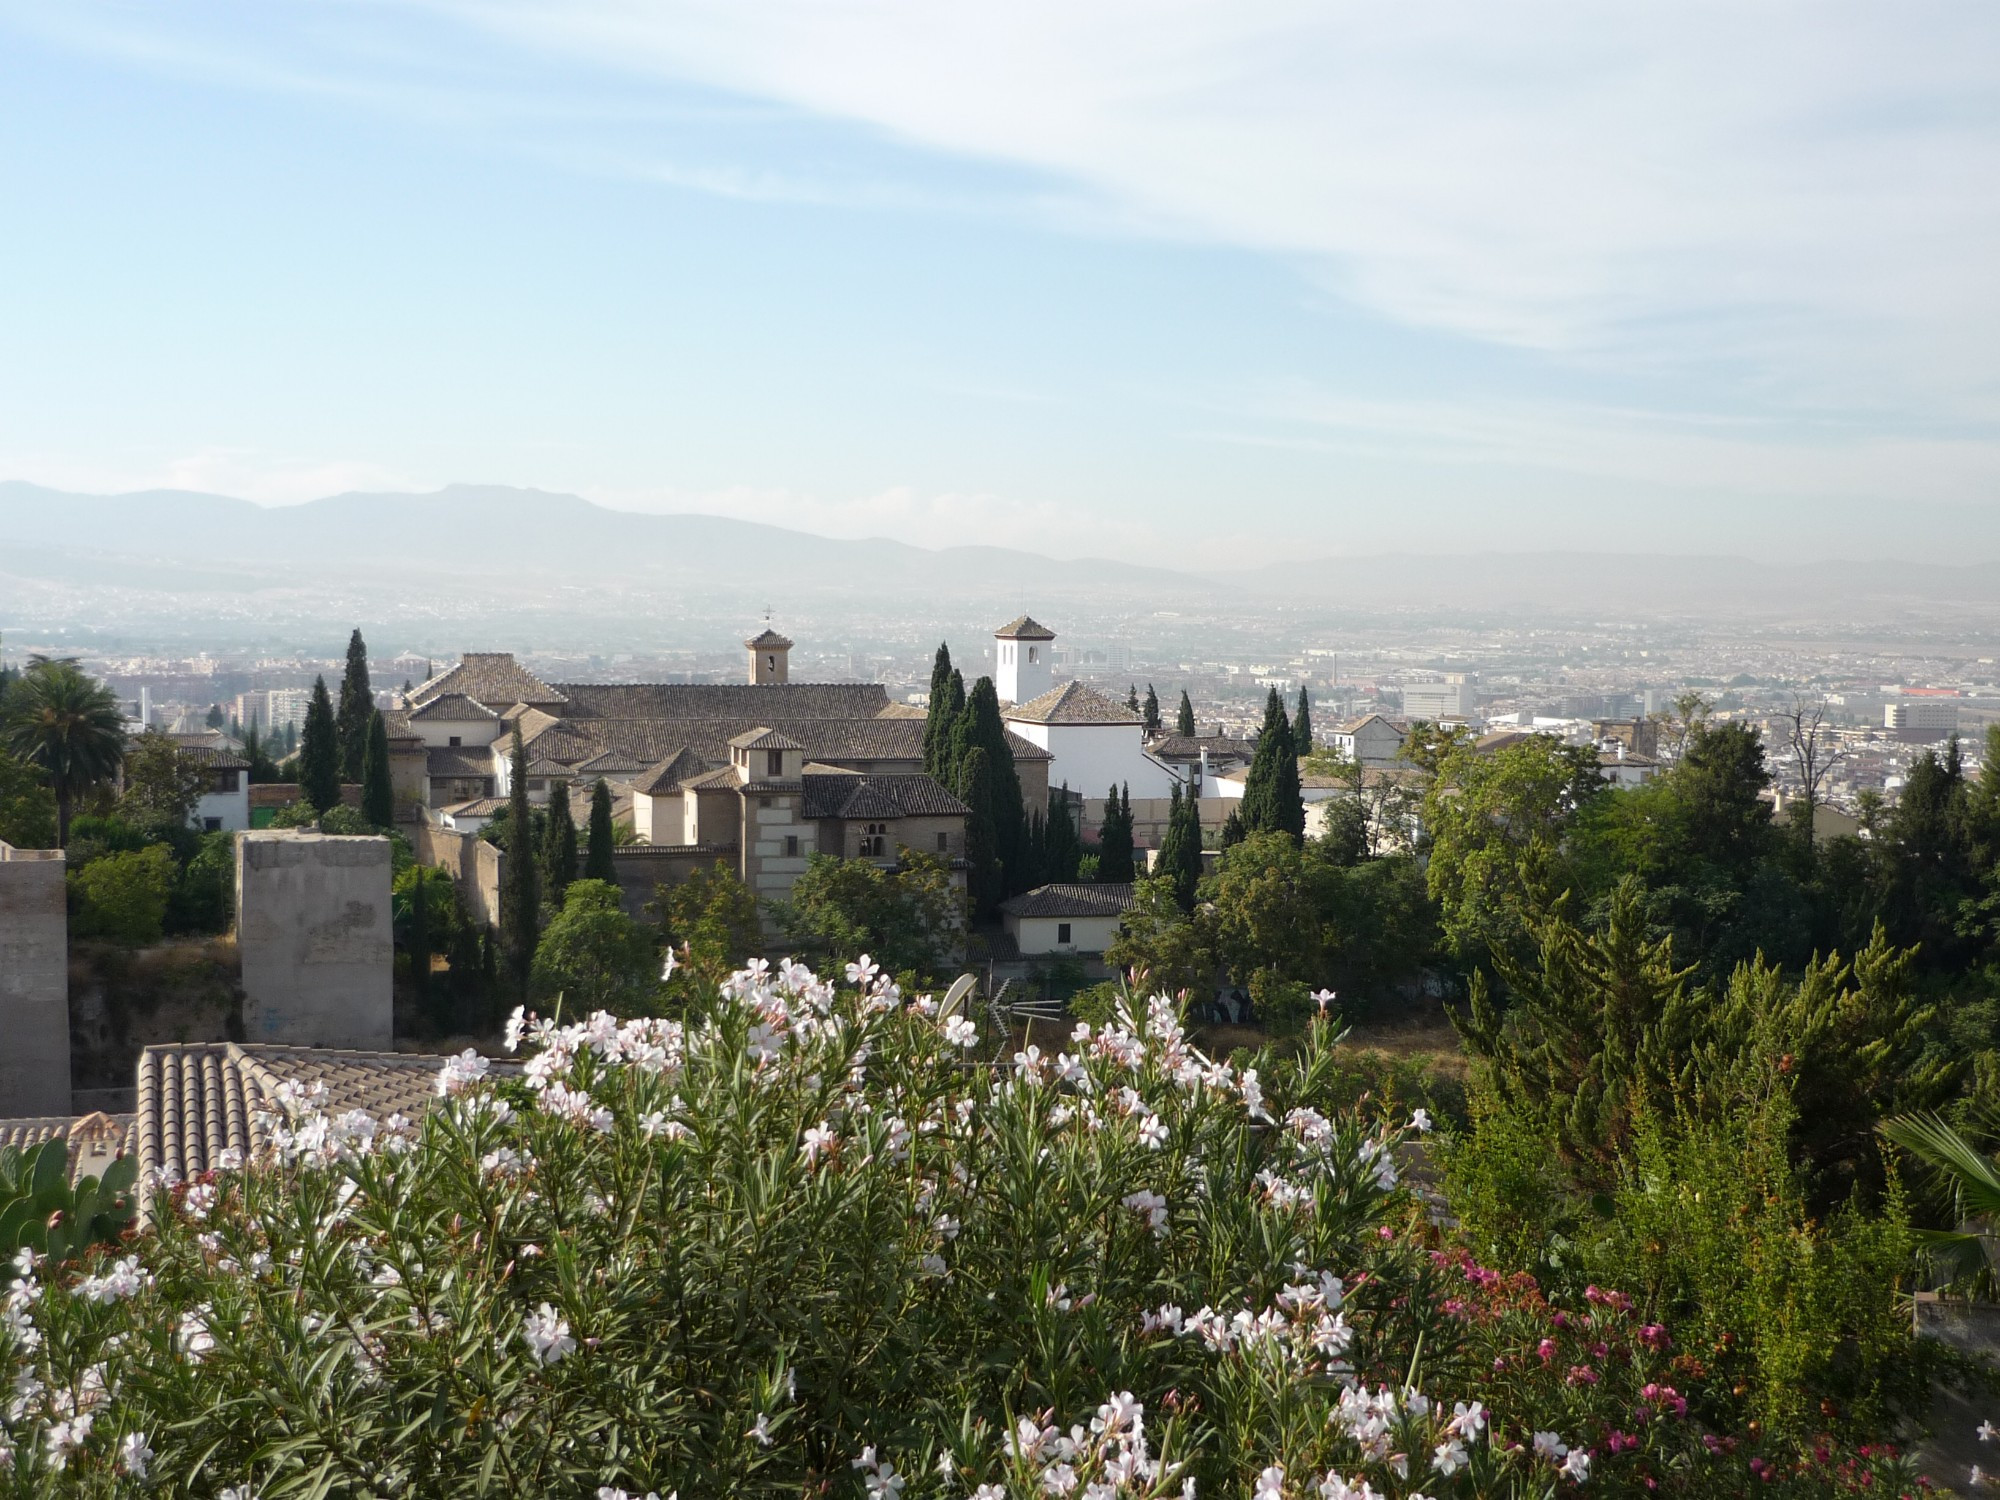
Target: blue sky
1147,280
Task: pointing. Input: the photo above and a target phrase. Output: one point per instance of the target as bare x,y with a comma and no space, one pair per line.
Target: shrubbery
124,897
802,1241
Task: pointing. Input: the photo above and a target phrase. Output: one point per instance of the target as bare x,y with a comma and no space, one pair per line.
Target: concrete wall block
314,930
34,982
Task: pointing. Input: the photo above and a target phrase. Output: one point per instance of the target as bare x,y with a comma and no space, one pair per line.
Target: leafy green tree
520,889
67,725
319,752
1499,826
598,863
558,845
1720,781
905,919
27,806
1184,719
1272,799
357,705
711,919
1151,711
594,956
378,796
163,783
1114,840
1302,725
215,719
427,921
123,897
940,713
1180,849
204,894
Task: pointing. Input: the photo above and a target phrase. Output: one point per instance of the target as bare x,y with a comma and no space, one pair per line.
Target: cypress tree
1132,696
598,864
291,739
984,875
1272,802
378,796
558,846
1302,725
939,715
1151,711
1114,841
1184,720
1064,846
520,912
980,726
319,756
1180,850
1035,853
949,747
214,720
1232,830
357,702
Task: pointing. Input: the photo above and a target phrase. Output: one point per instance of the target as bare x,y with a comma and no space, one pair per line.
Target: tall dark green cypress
378,795
939,715
1114,840
520,903
598,863
1272,800
1180,849
1302,724
1063,844
357,702
1035,853
558,845
980,726
319,755
1232,830
1151,711
948,746
1184,720
1132,696
984,876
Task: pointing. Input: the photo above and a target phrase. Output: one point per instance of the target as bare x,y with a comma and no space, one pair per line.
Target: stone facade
34,982
313,928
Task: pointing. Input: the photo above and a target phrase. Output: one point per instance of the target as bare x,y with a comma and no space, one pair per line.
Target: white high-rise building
1021,665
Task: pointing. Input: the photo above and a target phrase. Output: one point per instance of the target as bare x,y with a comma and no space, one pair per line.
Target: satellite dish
955,997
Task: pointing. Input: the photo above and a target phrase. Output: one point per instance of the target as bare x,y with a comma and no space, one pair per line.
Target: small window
774,764
211,825
944,843
791,846
538,784
771,662
455,741
1062,933
1033,655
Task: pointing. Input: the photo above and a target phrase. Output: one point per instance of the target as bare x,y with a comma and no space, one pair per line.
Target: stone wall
34,982
313,927
474,865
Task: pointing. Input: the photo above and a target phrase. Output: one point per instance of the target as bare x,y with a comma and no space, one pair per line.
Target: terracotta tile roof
763,738
1072,703
477,807
200,1099
451,760
846,795
768,637
650,741
1070,901
1190,746
669,771
902,711
1022,628
747,703
215,757
490,677
455,706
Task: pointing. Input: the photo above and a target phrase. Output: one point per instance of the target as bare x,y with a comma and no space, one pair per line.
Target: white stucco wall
471,733
231,810
1089,758
1038,934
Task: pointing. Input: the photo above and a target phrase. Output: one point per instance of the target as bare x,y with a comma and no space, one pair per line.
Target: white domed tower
1021,669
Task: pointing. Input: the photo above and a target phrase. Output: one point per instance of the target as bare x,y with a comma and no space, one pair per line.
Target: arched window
874,840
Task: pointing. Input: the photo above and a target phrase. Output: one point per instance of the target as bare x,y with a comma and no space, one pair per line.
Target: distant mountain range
469,552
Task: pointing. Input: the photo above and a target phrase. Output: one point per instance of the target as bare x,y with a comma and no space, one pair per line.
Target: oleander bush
818,1239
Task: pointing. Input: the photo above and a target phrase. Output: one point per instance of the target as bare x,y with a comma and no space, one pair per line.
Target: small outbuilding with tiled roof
1066,918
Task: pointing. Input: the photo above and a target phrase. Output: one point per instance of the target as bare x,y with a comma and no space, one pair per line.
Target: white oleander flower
546,1333
134,1454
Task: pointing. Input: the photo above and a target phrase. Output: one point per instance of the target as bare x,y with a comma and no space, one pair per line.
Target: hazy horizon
1149,282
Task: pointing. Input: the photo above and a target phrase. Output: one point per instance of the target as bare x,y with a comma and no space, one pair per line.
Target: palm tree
1974,1180
69,725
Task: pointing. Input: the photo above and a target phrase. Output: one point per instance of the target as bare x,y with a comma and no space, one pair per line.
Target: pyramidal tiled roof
454,706
764,738
670,772
843,794
493,678
1072,703
1024,628
768,637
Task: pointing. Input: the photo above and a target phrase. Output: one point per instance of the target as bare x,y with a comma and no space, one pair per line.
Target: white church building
1094,742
